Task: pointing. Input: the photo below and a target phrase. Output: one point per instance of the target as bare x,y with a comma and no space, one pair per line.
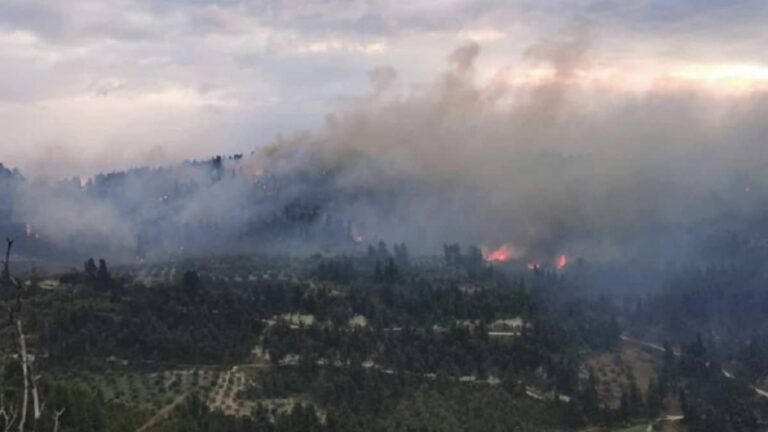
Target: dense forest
378,340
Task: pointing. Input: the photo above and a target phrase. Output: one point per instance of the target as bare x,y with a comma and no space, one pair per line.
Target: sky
93,85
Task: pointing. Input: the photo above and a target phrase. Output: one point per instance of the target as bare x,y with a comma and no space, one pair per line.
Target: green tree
635,398
90,268
102,274
654,399
591,399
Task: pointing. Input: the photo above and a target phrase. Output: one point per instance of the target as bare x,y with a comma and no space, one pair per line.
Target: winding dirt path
162,414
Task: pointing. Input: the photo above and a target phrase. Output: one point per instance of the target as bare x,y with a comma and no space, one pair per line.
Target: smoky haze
552,166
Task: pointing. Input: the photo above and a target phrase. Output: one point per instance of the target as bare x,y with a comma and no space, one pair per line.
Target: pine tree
635,398
668,377
590,399
654,399
90,268
102,273
625,408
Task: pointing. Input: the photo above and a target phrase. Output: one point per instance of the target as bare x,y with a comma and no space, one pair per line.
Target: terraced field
150,391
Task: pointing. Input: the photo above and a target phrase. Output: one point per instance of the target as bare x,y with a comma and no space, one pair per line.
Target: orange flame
357,235
30,232
503,254
251,168
561,262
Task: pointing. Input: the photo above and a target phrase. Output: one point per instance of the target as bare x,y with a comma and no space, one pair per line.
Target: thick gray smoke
549,167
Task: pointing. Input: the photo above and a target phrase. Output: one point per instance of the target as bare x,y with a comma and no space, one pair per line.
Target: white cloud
482,35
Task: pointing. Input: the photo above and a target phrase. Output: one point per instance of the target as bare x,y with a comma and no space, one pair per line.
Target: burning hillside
502,254
462,161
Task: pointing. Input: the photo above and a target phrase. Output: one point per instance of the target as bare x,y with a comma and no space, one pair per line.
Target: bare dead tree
25,372
37,405
9,419
27,367
56,416
7,414
6,275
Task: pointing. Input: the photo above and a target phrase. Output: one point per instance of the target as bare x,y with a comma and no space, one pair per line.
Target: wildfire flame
251,168
30,232
561,262
503,254
357,235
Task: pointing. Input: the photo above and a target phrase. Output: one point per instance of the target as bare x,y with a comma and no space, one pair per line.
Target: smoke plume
550,166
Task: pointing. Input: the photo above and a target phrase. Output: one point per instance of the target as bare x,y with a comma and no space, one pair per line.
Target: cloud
249,71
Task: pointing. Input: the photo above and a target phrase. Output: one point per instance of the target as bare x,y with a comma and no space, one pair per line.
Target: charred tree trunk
5,278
